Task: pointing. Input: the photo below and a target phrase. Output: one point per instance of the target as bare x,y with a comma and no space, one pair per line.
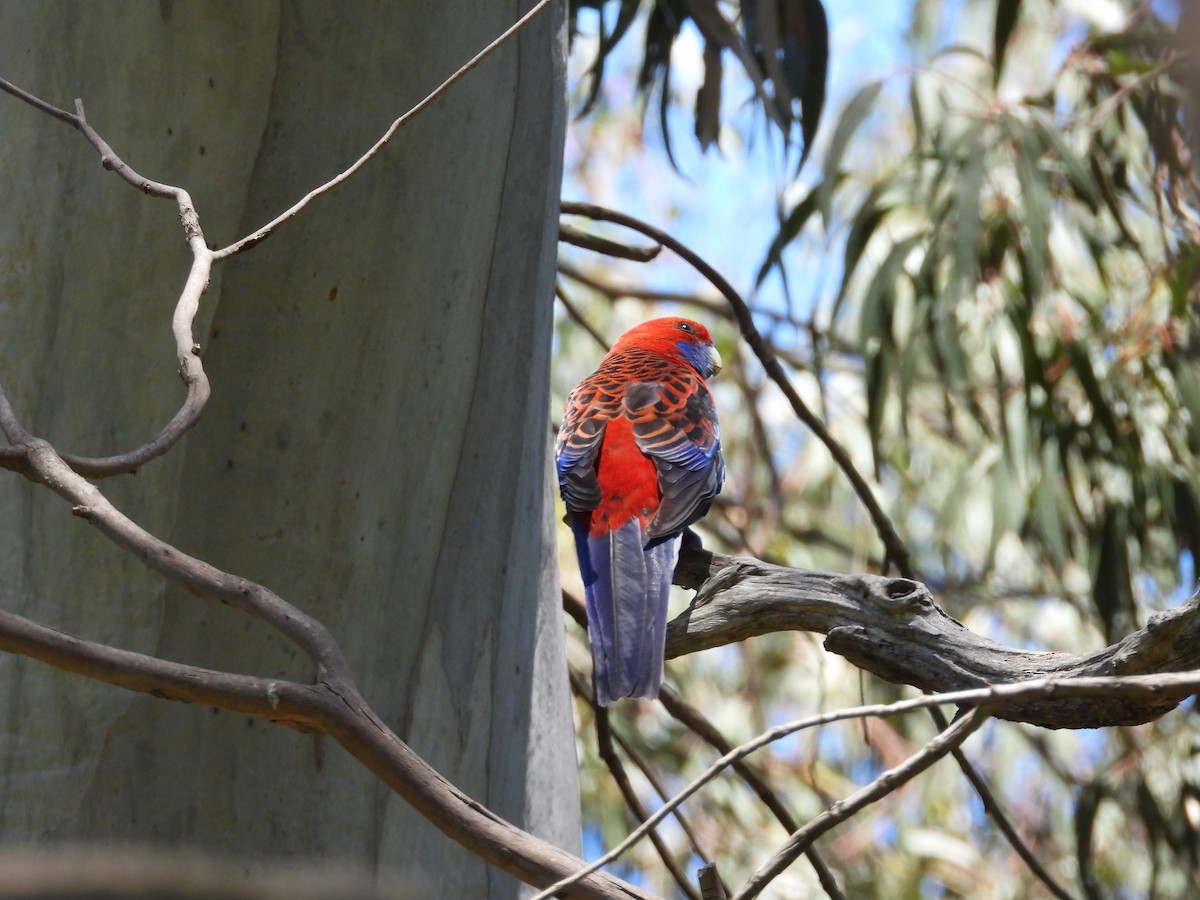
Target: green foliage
1041,247
782,47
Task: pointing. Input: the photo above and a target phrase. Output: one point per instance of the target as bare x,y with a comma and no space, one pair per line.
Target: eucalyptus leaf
852,117
1007,13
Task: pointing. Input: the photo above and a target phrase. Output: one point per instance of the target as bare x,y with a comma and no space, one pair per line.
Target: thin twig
993,698
577,316
606,246
261,234
191,371
991,806
704,728
37,102
608,755
885,784
660,789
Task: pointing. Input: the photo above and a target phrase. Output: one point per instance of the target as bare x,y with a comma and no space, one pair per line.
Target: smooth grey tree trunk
376,447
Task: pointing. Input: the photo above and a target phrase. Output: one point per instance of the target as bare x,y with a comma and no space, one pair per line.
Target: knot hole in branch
902,589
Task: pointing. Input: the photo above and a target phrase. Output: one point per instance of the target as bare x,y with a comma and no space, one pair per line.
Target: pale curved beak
714,362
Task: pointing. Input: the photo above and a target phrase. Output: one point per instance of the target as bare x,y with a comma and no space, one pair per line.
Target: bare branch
992,807
893,628
709,306
608,755
284,702
707,731
889,781
190,368
607,247
992,699
37,103
577,317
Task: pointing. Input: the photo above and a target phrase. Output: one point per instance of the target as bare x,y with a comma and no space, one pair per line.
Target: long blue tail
627,580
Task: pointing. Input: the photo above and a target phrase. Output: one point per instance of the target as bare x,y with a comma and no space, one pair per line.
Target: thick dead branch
893,628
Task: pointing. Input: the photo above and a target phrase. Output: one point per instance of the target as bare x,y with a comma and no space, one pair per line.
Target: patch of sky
1187,578
593,849
724,204
1168,10
789,747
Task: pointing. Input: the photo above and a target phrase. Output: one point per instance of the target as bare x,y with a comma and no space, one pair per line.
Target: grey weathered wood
893,628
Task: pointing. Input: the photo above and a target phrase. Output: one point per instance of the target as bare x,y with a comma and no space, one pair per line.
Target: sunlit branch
656,783
186,351
885,784
893,628
616,769
702,727
994,699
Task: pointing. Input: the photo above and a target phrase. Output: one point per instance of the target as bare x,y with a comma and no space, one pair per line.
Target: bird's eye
684,326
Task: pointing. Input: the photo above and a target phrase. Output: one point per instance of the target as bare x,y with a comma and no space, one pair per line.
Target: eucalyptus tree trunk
375,448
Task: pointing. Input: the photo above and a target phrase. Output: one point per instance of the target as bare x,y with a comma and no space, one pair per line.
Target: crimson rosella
639,459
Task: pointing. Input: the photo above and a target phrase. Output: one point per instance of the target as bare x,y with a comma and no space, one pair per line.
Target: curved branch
605,246
990,699
703,728
186,351
947,740
893,628
608,755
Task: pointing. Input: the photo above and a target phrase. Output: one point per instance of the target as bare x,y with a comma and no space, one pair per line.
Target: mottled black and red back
639,459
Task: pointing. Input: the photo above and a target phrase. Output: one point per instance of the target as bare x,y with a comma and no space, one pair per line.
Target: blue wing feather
676,425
